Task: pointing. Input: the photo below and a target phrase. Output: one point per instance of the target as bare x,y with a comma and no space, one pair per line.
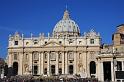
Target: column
39,66
48,64
112,71
30,63
63,63
42,63
20,64
75,63
87,64
122,65
66,63
10,60
57,64
101,72
97,70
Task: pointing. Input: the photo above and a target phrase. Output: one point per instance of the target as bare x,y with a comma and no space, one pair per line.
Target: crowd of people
44,79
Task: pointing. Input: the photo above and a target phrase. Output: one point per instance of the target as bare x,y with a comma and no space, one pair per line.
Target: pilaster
75,63
48,64
66,63
63,63
42,63
57,64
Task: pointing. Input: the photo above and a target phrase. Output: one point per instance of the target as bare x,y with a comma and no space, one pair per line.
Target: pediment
51,44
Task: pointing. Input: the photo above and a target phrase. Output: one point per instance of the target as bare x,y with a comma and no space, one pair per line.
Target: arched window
92,67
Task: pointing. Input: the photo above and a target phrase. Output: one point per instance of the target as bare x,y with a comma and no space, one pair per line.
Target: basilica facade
64,52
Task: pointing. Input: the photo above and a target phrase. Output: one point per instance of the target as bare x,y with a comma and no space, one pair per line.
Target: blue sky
36,16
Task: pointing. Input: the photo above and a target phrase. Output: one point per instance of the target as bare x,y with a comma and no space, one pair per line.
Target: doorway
53,69
70,69
15,68
107,71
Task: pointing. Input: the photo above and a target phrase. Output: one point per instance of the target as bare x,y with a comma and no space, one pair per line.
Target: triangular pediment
52,43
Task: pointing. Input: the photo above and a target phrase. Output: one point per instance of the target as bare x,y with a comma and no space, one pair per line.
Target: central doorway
107,71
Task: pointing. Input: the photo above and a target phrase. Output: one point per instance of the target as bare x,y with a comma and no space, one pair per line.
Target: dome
66,27
120,29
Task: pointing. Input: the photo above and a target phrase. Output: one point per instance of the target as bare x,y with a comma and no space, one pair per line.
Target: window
70,55
35,55
119,66
60,42
45,71
53,69
60,56
70,69
70,41
53,56
45,55
16,42
35,70
45,42
60,71
26,56
92,67
71,61
15,56
79,55
60,61
91,41
35,43
27,43
79,42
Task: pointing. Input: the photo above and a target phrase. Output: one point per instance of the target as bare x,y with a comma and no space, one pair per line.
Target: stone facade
65,52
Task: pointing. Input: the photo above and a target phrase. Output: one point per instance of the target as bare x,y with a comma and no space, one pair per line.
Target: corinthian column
57,64
75,63
63,63
48,64
42,63
66,63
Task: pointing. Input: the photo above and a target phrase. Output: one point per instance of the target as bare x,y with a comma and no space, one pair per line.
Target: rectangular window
16,43
35,56
60,71
15,56
35,70
119,66
60,56
45,71
53,56
70,55
91,41
26,57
